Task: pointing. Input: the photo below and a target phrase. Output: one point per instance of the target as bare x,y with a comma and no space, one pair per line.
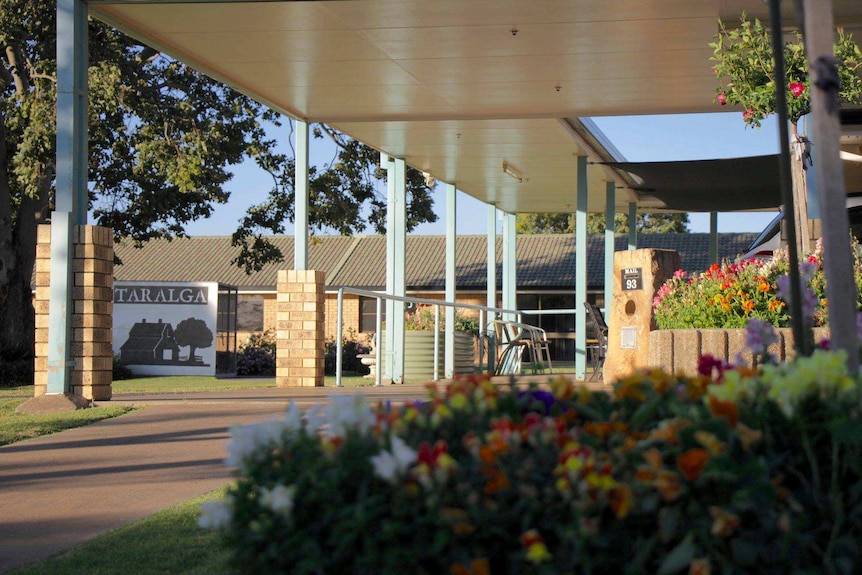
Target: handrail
339,329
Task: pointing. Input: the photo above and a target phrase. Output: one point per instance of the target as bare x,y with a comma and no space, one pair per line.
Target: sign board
629,337
166,328
632,279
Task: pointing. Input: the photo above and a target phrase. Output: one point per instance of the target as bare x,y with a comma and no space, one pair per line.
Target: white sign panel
629,337
166,328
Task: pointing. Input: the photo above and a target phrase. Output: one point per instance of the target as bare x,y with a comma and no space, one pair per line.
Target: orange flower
763,286
724,523
477,567
668,485
458,520
699,567
692,462
725,409
497,480
631,387
748,306
621,499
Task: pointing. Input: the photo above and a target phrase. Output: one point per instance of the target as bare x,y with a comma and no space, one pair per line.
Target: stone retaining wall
679,350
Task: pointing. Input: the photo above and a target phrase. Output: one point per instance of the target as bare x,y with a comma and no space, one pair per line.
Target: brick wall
92,307
300,328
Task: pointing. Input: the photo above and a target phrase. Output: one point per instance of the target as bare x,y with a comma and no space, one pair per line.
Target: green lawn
166,542
18,426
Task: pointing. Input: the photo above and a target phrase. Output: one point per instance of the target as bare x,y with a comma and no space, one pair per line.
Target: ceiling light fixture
512,172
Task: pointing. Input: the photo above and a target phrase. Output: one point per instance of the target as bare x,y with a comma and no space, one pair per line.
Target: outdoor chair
597,348
514,338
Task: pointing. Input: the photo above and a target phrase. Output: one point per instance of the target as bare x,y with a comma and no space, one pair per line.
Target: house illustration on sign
150,344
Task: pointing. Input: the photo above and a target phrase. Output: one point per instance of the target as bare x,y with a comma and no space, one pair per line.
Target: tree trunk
17,323
800,194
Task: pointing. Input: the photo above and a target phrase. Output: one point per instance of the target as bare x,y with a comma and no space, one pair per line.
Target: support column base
54,403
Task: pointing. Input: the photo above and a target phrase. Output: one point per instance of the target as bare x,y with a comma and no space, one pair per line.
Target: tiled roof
544,261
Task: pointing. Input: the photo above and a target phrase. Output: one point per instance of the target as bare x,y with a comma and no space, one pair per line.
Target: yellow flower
748,436
537,551
458,401
712,444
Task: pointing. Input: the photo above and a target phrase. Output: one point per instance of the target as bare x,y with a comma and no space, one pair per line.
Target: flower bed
729,295
755,472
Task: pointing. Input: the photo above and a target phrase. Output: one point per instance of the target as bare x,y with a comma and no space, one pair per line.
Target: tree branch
22,82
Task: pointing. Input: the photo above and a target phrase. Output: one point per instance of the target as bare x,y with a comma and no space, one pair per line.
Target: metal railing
483,322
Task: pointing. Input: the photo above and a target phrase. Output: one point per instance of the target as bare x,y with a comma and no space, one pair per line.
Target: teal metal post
713,237
70,206
633,225
510,261
581,271
451,244
300,198
610,214
492,257
389,343
399,231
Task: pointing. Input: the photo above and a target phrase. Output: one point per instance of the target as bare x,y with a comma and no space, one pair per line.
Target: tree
558,223
161,142
744,66
194,333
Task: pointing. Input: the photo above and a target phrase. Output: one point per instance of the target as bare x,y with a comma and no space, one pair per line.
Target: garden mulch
57,491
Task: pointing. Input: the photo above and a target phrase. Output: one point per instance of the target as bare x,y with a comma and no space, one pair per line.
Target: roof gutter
600,149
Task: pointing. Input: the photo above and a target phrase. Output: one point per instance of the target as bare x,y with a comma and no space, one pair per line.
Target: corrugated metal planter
419,355
679,350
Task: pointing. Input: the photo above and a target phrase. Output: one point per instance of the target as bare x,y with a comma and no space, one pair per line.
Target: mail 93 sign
632,279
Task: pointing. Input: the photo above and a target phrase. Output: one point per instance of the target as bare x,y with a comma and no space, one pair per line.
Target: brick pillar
92,311
300,326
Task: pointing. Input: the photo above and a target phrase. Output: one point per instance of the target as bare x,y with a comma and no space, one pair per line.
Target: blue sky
638,138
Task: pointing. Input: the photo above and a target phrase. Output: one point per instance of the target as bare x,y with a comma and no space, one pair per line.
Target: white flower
246,440
216,515
315,418
279,499
345,412
293,417
390,465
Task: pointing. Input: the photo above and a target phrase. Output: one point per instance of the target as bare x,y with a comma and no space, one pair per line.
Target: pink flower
722,99
796,88
748,115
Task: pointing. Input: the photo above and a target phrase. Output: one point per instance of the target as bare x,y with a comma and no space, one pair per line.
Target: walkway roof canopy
457,87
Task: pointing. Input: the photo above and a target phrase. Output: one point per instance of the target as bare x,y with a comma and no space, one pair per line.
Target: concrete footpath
59,490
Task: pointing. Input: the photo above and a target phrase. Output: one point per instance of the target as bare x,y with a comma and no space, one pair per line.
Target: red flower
722,99
748,114
430,455
796,88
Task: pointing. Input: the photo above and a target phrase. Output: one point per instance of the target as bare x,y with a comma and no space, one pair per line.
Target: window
368,313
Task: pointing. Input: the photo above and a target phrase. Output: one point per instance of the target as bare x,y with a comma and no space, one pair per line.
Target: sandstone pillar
638,275
300,323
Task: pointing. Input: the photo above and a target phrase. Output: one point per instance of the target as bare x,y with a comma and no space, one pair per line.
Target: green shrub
350,349
121,371
257,355
16,371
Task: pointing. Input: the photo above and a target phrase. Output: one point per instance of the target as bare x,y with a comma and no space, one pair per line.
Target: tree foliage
745,71
559,223
162,140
